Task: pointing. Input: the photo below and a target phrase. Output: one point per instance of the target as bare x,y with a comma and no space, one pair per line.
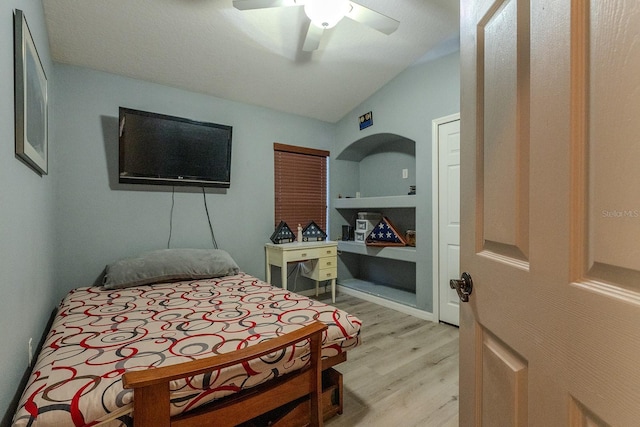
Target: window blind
300,186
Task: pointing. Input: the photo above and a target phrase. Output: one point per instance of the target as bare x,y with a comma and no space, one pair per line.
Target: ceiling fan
325,14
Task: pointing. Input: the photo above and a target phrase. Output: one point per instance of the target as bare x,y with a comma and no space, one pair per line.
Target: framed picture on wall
30,98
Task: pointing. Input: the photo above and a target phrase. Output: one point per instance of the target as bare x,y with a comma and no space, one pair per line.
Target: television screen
166,150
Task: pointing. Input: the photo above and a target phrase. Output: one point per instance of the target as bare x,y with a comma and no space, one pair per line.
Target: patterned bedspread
98,335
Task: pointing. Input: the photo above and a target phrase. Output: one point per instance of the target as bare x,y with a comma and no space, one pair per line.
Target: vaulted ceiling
250,56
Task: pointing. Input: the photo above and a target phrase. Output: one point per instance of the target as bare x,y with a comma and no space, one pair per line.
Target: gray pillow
169,265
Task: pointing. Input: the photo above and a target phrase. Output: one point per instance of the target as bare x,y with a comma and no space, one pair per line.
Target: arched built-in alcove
385,164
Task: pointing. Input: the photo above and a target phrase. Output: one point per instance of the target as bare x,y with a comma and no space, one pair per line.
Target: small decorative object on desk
385,234
412,190
410,236
282,234
313,233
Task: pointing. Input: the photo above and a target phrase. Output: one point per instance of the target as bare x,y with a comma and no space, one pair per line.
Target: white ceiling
251,56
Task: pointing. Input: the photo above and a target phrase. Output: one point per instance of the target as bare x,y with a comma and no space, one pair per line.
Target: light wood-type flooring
404,374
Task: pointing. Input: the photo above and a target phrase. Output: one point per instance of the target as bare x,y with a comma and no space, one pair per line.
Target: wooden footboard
151,387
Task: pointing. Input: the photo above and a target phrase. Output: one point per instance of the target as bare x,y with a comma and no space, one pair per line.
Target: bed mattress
98,334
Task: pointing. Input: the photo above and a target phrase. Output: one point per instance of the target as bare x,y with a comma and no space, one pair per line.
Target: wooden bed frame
296,399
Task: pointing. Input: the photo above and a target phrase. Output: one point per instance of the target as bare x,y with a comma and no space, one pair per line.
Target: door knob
463,286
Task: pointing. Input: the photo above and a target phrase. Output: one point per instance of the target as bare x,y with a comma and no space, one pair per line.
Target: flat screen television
166,150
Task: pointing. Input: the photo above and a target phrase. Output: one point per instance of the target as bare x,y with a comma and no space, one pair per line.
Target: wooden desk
323,257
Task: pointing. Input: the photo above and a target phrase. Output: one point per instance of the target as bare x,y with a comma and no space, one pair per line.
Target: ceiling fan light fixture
326,13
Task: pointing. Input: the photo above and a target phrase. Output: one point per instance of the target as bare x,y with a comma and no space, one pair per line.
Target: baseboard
420,314
13,405
412,311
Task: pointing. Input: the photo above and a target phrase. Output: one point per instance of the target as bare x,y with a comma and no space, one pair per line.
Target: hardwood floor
404,374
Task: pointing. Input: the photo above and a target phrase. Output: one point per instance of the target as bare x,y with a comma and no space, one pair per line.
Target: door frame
435,208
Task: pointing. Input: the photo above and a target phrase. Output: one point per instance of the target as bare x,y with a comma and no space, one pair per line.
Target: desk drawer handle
329,274
303,254
328,262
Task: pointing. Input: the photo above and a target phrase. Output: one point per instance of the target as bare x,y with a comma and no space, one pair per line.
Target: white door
550,213
447,130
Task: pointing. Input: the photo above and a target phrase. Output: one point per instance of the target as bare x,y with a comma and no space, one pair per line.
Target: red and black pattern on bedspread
99,334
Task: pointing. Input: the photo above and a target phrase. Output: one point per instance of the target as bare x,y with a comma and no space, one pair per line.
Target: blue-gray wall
99,220
405,106
27,240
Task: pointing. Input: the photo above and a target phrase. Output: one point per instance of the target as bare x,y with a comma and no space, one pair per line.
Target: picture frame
31,109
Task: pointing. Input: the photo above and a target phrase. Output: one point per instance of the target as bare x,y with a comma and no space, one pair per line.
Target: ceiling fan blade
262,4
312,41
373,19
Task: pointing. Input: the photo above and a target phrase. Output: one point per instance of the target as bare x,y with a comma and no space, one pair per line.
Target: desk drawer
311,253
321,269
280,255
322,273
331,251
327,262
327,274
303,254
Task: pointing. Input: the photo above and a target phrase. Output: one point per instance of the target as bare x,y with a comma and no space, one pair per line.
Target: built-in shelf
380,290
382,274
400,253
375,202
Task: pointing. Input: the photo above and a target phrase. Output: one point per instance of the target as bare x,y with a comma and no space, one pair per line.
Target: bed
156,325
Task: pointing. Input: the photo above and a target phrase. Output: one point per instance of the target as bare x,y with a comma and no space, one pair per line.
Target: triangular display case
313,233
385,234
283,234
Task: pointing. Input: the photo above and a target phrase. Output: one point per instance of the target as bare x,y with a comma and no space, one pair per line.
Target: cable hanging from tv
206,209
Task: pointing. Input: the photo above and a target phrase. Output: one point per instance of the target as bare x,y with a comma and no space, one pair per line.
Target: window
300,176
